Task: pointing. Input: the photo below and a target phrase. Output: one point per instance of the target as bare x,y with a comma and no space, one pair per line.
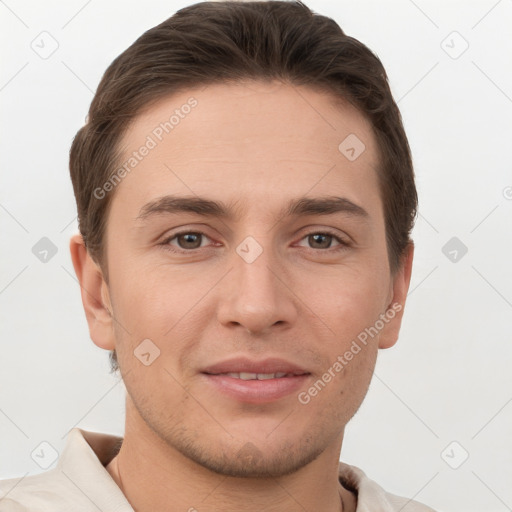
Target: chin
247,458
250,462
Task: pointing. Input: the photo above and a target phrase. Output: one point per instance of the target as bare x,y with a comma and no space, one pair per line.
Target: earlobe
95,294
395,311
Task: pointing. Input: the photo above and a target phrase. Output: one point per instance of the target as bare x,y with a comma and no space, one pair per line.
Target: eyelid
342,241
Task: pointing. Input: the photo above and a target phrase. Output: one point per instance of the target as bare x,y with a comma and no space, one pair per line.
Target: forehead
264,140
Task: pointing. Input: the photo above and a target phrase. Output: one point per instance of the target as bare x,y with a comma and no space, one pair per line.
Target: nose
258,295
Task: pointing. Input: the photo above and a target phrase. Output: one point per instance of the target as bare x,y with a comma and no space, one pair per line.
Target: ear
400,286
95,294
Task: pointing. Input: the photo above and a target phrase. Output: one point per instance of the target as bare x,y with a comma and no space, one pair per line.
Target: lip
244,364
255,391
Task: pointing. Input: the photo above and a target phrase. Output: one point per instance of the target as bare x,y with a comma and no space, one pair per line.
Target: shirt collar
82,462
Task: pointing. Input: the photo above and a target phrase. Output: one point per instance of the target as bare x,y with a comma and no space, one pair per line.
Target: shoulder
37,492
399,503
371,497
78,482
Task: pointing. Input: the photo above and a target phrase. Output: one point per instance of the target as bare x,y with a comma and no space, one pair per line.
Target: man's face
263,288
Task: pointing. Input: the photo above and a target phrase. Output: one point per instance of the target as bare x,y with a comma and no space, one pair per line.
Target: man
245,196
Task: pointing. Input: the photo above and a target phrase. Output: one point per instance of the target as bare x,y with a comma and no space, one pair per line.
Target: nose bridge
257,299
257,281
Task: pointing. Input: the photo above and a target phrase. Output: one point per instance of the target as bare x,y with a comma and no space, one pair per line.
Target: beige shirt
80,483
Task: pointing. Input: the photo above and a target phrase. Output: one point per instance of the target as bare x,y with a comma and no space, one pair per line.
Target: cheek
349,307
158,311
336,395
347,302
152,297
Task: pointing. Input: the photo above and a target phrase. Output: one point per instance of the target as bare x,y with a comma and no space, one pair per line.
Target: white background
448,378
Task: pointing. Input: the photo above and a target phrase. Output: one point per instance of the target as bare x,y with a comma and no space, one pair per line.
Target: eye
324,240
186,240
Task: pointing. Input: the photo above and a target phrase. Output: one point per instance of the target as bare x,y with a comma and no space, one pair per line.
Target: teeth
265,376
248,376
256,376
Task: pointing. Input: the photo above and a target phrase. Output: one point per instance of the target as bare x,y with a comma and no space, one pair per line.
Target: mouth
257,376
255,382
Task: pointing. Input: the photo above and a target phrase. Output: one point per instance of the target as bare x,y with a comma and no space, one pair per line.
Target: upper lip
244,364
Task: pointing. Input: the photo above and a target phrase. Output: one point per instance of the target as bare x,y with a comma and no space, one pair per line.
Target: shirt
80,483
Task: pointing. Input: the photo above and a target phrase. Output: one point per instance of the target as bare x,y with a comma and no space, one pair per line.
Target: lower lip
256,391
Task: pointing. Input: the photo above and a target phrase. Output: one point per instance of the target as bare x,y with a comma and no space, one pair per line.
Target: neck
155,476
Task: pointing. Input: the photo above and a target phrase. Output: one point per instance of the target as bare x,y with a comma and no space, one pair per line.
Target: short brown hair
230,41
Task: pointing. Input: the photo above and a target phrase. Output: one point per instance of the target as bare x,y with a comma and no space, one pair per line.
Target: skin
255,147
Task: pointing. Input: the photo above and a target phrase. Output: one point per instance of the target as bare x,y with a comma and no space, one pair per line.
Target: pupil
318,239
191,239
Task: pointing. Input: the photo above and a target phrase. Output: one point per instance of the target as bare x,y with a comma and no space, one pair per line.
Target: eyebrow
326,205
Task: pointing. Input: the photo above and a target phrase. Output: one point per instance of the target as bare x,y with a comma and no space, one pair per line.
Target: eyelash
344,244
